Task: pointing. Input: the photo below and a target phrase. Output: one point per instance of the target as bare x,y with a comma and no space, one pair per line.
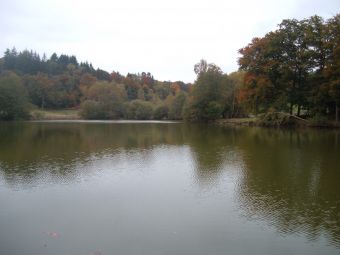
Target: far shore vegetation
291,76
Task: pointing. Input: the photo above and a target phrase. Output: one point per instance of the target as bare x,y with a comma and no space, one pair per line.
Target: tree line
27,81
61,82
294,69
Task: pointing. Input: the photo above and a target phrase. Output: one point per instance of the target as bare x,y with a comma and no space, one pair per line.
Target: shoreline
256,122
275,120
62,114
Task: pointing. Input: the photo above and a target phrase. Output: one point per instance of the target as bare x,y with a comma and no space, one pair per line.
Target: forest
294,69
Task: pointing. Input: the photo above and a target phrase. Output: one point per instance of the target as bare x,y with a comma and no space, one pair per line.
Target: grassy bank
278,120
64,114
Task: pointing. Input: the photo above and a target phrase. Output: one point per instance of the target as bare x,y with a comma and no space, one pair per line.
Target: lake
124,188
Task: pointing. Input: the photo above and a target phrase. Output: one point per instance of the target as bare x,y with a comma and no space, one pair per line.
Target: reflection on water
291,180
28,150
213,183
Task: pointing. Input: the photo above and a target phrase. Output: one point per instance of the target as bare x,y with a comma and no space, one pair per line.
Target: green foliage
234,106
319,120
177,105
61,82
208,95
37,115
143,111
295,67
161,112
104,101
162,90
13,97
93,110
39,89
212,111
138,110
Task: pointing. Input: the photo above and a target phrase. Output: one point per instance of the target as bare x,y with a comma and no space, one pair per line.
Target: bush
161,112
13,98
104,101
176,109
92,110
190,113
37,115
138,110
319,121
212,111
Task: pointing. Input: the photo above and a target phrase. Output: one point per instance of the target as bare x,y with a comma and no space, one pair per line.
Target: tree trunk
291,109
299,109
43,102
336,112
233,107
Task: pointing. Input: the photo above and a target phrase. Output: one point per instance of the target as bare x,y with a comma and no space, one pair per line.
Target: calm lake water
167,188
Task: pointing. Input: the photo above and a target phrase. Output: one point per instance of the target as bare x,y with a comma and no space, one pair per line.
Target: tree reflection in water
288,179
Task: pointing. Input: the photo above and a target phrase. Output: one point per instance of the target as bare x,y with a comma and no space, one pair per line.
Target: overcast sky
165,38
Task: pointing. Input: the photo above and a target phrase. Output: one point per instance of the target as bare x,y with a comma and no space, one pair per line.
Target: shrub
91,110
161,112
13,98
212,111
138,110
176,109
